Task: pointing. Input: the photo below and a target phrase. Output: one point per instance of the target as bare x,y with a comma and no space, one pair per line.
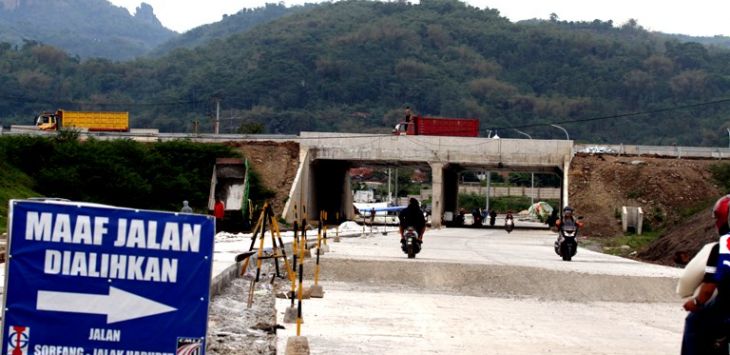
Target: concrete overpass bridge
323,183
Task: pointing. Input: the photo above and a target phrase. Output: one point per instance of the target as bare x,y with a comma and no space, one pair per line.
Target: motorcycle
509,225
720,345
410,243
567,245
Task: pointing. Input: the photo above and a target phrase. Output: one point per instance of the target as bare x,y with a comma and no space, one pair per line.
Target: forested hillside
84,28
229,25
353,66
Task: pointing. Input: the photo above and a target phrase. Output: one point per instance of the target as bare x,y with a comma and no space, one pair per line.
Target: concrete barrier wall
500,191
296,194
639,150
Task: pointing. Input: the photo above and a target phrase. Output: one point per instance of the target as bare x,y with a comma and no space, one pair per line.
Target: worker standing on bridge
709,319
408,118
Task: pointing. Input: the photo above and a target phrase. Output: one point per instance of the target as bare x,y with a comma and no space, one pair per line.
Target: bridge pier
437,208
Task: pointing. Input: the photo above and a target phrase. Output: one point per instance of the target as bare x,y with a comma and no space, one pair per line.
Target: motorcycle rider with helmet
708,318
412,216
567,220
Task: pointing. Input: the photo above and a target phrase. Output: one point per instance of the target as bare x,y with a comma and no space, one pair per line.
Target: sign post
86,279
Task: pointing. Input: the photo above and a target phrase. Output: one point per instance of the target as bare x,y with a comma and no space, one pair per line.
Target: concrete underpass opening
322,184
490,188
334,183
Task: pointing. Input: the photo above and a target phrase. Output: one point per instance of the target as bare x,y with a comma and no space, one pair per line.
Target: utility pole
196,126
217,115
389,186
489,182
397,200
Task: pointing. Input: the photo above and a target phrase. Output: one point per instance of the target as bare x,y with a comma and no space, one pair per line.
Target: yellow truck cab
46,121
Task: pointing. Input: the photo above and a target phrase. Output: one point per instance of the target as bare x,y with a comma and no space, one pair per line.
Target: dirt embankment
675,194
276,164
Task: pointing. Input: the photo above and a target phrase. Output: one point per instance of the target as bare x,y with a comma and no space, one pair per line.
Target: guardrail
639,150
155,136
615,149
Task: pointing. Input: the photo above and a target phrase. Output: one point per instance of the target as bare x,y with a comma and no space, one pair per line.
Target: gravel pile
233,328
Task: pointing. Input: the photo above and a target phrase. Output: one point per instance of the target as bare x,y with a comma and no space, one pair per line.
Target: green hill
239,22
87,28
353,66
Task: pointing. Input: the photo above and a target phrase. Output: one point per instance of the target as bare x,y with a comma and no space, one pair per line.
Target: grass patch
628,244
690,211
13,185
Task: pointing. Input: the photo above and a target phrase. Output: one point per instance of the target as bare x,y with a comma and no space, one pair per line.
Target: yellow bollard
316,290
337,230
299,345
290,314
324,247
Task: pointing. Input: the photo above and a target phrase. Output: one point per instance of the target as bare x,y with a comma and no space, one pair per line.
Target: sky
696,18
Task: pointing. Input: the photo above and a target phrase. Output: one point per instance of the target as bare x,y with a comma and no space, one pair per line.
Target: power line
622,115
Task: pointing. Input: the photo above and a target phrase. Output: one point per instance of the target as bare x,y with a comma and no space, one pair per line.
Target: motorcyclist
412,216
708,318
567,220
509,221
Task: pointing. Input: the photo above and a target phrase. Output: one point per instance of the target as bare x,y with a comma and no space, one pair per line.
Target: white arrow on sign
118,305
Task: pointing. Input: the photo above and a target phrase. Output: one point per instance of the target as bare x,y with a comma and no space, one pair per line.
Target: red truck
438,126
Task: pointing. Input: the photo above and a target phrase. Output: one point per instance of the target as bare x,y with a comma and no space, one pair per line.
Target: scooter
509,225
566,246
410,243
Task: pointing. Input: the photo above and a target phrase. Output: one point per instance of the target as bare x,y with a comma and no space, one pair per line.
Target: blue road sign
85,279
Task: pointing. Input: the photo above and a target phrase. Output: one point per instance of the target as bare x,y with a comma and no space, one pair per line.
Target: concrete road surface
487,292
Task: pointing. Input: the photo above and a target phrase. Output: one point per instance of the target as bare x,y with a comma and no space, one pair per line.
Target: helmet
568,209
721,213
413,202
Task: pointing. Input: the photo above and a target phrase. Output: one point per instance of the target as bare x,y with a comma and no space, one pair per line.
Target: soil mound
675,194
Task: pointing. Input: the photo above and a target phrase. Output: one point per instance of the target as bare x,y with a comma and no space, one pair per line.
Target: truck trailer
83,120
438,126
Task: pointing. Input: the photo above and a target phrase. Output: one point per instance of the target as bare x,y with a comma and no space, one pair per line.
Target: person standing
219,211
186,208
408,119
